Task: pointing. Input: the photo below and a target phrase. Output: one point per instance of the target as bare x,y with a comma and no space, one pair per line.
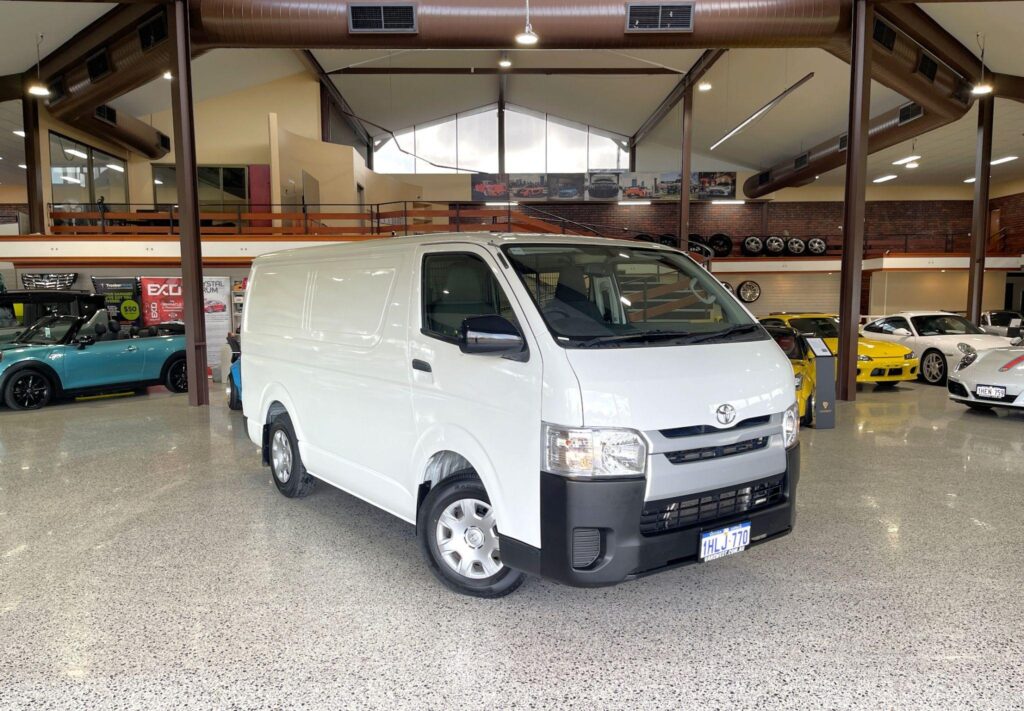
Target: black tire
642,237
720,244
669,240
817,246
979,406
28,389
176,376
774,246
234,399
936,376
796,246
290,477
808,419
752,246
748,291
458,487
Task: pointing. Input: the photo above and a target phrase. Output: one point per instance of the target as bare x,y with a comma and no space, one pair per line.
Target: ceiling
742,81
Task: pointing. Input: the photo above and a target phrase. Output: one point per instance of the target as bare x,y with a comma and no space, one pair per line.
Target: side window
895,323
772,322
455,287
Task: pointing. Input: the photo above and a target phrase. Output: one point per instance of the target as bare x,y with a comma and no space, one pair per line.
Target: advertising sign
121,297
489,187
217,315
162,300
713,186
528,186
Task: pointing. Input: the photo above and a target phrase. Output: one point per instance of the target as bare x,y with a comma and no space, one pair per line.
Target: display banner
121,297
162,300
602,185
217,314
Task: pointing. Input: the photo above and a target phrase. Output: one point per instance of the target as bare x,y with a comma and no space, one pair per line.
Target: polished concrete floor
146,561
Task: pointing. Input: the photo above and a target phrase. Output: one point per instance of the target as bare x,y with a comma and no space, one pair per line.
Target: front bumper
614,509
961,390
887,370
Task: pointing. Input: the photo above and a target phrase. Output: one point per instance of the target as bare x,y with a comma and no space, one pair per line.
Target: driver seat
571,291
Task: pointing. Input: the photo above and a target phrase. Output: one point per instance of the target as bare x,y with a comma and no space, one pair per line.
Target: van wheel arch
442,465
275,409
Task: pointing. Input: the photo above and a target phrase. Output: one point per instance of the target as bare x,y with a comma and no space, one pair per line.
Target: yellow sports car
803,369
878,362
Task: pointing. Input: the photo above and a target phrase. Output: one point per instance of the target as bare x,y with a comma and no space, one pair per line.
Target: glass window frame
90,166
220,184
502,291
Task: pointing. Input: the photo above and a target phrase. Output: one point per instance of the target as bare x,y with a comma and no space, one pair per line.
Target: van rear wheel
459,537
286,467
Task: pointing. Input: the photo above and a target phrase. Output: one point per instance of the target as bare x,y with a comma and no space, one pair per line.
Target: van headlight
790,425
594,452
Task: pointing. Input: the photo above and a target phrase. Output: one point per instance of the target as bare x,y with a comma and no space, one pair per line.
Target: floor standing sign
824,384
217,313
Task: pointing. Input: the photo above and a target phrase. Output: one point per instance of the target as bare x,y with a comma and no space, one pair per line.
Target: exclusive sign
162,300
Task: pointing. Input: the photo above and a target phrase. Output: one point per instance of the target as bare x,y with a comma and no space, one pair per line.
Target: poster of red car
162,300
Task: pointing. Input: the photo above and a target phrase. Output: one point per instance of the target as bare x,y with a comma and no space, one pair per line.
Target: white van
606,405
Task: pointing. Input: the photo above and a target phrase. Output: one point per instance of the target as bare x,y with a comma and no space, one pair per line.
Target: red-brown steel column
979,224
188,207
684,174
33,165
853,206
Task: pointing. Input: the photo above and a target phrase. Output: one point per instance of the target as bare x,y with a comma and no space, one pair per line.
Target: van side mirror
900,332
491,335
83,341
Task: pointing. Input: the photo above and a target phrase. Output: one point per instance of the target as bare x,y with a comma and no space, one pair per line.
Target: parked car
474,383
718,191
214,306
993,378
934,335
489,188
235,385
568,192
66,356
21,308
603,186
634,192
793,345
878,362
532,191
1001,323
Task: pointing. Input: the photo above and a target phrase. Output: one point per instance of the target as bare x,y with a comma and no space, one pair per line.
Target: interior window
456,287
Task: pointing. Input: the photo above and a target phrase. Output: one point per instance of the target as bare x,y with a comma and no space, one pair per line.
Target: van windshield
600,296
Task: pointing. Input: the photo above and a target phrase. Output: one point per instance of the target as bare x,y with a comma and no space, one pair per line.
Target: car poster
489,187
217,315
566,186
713,186
162,300
528,186
603,186
639,186
121,297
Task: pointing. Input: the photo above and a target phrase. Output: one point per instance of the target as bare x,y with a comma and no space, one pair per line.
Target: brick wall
9,212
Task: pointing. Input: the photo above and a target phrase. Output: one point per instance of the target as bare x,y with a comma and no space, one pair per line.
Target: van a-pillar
853,205
188,207
979,223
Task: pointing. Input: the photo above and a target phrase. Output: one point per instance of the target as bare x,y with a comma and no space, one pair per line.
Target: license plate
724,541
991,391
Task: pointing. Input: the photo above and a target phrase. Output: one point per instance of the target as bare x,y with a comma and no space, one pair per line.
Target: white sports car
986,380
935,337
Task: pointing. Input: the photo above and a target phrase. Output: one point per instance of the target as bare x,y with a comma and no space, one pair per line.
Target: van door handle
423,365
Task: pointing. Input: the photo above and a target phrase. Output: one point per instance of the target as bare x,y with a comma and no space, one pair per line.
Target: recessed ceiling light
1006,159
115,166
157,181
19,133
69,179
168,76
704,86
22,166
728,202
904,161
912,164
969,180
634,202
76,153
885,179
504,62
501,204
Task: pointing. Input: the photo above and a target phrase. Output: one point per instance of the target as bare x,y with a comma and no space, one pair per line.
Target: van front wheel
289,474
459,538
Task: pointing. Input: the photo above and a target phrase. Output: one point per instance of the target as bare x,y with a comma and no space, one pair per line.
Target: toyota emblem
725,414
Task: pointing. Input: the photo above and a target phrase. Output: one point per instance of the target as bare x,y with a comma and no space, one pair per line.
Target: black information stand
824,384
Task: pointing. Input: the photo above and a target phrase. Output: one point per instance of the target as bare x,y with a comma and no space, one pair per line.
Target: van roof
480,238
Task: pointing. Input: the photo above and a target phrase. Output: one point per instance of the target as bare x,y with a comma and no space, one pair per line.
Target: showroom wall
780,291
931,289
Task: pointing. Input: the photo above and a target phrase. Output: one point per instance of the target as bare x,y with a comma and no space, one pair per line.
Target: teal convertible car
67,356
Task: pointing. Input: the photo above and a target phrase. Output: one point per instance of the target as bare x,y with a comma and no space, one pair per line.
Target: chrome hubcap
281,456
467,537
932,367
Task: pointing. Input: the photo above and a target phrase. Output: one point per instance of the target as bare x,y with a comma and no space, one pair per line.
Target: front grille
685,456
956,389
895,371
683,511
1004,398
708,429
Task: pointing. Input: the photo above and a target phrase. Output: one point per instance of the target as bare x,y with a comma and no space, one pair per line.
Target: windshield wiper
732,330
637,336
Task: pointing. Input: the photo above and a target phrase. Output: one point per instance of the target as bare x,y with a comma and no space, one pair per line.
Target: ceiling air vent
98,65
676,17
884,35
843,141
107,113
801,161
57,92
909,112
153,32
927,67
381,18
764,178
165,141
962,92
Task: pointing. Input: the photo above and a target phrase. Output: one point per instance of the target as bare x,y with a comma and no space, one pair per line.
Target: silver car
992,378
1001,323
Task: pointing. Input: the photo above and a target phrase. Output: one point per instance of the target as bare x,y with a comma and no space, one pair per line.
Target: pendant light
527,37
37,87
983,87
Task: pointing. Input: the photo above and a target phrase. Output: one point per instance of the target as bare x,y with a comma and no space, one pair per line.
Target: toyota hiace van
588,410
